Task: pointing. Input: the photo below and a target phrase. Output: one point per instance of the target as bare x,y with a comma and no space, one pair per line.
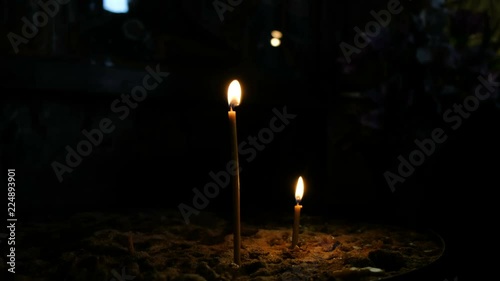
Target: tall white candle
234,96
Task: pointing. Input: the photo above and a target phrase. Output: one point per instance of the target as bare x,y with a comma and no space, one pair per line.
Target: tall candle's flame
299,190
234,94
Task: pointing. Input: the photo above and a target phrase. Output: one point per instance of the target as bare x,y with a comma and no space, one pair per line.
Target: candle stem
296,223
236,189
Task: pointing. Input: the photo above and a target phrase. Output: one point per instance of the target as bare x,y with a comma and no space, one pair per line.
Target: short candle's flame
299,190
234,94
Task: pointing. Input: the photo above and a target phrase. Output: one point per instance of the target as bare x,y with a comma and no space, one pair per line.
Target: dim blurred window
116,6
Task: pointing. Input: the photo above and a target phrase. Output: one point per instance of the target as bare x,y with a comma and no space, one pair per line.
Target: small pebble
335,245
374,269
204,270
133,269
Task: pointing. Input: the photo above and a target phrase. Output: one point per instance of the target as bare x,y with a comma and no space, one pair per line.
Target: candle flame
299,190
234,94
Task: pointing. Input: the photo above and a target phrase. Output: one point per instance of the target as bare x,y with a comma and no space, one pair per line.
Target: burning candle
233,97
299,191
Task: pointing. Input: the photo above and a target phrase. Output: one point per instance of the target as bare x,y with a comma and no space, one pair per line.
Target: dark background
352,119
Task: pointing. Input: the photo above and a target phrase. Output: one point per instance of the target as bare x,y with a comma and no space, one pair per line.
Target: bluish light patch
116,6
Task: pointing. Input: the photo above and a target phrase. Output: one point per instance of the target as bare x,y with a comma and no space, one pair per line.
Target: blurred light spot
424,55
275,42
475,40
108,62
276,34
437,4
116,6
